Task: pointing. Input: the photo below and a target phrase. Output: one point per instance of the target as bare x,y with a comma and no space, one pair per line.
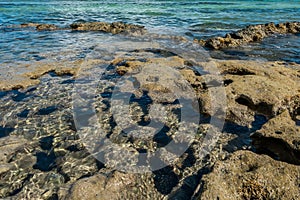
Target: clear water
190,18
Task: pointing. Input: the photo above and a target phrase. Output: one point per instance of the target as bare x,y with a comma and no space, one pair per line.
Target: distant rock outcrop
114,28
40,27
251,33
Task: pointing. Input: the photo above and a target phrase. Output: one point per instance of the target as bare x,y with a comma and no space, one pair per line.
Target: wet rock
251,33
246,175
9,146
32,73
42,185
114,28
29,25
15,166
46,27
40,27
75,165
279,138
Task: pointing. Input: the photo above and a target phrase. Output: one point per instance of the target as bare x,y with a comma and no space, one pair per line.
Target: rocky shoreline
256,157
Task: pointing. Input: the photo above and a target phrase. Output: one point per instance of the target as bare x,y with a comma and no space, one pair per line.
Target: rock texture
114,28
253,87
252,33
101,186
46,27
44,155
32,73
15,164
279,138
246,175
40,27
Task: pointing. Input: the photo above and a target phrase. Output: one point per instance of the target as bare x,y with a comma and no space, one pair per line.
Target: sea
190,18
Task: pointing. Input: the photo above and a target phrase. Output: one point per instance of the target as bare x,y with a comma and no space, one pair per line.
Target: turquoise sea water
190,18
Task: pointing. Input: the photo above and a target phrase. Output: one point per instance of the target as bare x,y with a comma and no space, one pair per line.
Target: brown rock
252,87
29,25
266,88
280,138
250,34
15,164
114,28
46,27
40,27
246,175
9,146
31,73
101,186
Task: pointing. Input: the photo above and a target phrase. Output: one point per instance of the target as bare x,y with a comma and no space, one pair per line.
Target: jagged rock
265,88
114,28
246,175
280,138
250,34
252,87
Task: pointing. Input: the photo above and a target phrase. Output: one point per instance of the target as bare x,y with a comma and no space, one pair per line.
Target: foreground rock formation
279,138
251,33
246,175
257,155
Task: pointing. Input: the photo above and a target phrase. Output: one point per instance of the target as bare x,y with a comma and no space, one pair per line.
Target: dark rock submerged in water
251,33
